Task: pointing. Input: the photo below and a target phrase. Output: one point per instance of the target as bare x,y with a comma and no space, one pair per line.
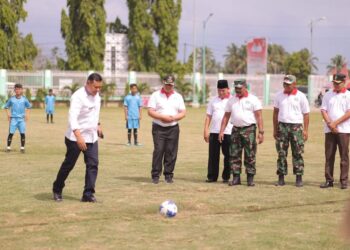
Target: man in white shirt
335,110
291,111
81,136
166,107
244,110
215,113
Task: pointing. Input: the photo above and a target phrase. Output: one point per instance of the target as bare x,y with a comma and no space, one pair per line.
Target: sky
284,22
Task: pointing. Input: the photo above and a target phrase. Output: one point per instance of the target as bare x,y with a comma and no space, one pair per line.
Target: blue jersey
18,106
50,103
133,103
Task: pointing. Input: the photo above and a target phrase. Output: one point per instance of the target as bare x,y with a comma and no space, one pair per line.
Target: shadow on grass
134,178
148,179
48,197
288,183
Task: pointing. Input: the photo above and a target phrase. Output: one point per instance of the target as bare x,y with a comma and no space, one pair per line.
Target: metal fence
263,86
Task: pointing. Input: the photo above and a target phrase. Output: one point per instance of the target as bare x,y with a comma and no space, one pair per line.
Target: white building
116,53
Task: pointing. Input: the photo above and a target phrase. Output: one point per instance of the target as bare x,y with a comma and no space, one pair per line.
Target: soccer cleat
137,144
8,149
128,144
22,150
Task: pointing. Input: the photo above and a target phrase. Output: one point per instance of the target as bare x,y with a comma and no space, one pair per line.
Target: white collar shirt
84,115
291,108
164,105
242,110
336,105
216,109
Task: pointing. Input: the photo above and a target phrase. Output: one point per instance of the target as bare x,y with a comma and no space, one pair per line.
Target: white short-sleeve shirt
336,105
162,104
242,110
291,107
84,112
216,109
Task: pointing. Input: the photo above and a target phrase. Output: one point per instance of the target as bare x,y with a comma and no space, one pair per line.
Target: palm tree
337,63
184,88
236,59
276,57
107,91
74,87
143,88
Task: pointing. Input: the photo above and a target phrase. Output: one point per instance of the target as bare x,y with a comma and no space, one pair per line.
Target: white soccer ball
168,209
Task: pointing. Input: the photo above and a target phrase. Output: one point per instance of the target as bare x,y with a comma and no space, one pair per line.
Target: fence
263,86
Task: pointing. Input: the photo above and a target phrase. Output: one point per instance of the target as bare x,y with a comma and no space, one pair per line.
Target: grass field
211,216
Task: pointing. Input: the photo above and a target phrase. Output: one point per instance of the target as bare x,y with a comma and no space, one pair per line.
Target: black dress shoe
209,180
343,185
57,196
327,184
169,180
155,180
88,199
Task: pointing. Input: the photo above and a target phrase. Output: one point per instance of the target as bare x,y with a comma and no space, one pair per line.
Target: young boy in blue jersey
50,106
133,113
18,116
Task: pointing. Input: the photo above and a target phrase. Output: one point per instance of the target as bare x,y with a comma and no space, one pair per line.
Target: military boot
250,180
280,180
236,180
299,181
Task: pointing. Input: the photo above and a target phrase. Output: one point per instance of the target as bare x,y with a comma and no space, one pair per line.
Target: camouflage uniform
243,138
293,133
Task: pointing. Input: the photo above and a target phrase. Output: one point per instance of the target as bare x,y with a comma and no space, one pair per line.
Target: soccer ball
168,209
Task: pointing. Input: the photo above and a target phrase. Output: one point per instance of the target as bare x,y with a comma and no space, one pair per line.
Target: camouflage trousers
243,138
293,134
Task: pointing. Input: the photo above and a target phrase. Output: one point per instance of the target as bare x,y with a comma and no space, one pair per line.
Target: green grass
211,216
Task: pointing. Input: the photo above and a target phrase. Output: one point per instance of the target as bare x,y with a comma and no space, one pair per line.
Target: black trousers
166,141
72,155
214,157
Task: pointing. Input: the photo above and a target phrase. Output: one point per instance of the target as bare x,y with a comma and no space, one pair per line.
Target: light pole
204,60
312,22
194,91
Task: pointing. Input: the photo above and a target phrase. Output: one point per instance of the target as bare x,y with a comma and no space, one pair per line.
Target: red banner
257,56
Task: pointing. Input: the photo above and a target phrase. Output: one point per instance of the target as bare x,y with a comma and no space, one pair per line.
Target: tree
299,64
107,91
72,88
337,64
166,15
84,31
142,50
276,58
236,59
211,65
16,52
117,27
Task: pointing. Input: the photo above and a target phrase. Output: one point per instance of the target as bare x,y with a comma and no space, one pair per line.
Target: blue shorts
17,123
49,111
132,123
